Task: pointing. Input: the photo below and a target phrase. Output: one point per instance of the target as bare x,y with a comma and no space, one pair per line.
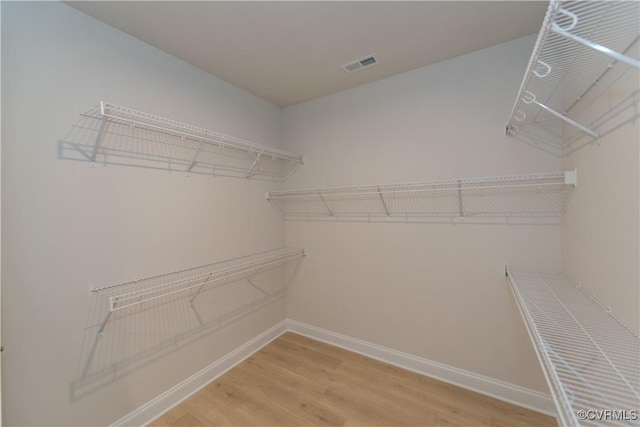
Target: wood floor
297,381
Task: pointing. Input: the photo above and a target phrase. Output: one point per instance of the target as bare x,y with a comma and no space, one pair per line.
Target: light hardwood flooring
297,381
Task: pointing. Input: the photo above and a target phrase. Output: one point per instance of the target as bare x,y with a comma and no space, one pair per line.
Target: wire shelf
591,360
517,196
192,281
579,43
127,136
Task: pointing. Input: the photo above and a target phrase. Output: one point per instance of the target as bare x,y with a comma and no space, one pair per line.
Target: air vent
359,64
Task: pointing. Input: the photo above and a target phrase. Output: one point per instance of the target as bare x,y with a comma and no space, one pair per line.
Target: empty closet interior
465,208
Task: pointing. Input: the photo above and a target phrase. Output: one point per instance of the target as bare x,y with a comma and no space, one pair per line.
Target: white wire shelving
579,43
591,360
191,282
516,198
135,138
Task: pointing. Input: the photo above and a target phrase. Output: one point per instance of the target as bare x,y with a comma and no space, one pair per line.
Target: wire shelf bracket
94,152
590,359
578,44
126,133
191,282
537,196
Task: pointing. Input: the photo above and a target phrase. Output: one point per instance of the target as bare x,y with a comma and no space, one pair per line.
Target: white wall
0,218
67,227
600,243
432,290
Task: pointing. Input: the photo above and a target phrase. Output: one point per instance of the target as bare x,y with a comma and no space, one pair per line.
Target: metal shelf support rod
104,323
596,81
249,280
612,53
384,204
193,158
198,291
253,165
325,203
568,120
460,199
294,273
96,145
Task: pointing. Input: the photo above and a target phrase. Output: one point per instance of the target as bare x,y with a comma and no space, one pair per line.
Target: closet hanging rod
530,98
600,77
565,32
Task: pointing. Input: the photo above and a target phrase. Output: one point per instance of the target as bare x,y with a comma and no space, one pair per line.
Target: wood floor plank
297,381
293,382
188,420
170,417
518,418
301,405
399,402
361,409
221,414
461,419
224,392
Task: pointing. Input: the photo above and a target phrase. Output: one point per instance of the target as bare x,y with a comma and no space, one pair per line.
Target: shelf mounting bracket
249,280
384,204
192,162
254,164
294,273
104,323
326,205
96,145
198,291
460,209
571,177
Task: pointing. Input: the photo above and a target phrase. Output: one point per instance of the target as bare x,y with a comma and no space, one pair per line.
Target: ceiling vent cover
361,63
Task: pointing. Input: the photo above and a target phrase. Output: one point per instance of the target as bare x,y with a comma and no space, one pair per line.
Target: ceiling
289,52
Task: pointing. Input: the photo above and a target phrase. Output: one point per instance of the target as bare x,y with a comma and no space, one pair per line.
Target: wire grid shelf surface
126,135
591,360
579,42
533,195
191,281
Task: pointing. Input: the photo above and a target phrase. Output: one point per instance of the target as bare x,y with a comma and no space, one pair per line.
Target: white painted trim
507,392
151,410
501,390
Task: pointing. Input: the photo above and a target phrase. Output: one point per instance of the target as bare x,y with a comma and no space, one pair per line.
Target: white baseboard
151,410
520,396
501,390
